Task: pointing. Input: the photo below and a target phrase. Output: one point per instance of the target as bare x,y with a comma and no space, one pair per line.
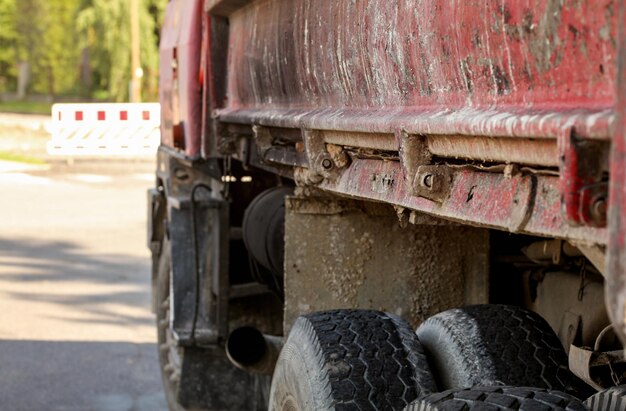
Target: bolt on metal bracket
433,182
320,161
423,179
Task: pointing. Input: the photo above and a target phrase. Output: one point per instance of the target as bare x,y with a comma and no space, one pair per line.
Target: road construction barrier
107,129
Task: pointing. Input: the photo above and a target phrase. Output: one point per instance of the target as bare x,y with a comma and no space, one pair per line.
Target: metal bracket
320,161
273,154
263,139
599,369
413,152
422,179
581,166
433,182
171,163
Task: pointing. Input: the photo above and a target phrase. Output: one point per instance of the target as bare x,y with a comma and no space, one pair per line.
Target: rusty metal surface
517,203
541,152
350,254
539,206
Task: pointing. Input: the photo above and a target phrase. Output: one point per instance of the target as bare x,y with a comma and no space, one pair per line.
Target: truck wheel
350,359
498,399
495,345
612,399
170,355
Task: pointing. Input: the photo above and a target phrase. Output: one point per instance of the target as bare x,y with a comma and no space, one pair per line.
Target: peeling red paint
541,54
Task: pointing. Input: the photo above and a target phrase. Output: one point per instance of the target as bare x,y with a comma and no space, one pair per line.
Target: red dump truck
391,205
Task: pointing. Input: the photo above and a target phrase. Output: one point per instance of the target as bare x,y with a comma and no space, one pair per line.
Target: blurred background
76,50
76,329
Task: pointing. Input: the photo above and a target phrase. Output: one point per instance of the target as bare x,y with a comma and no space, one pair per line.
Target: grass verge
25,107
19,158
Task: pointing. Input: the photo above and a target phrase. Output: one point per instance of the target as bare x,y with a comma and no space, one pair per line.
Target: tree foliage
8,45
77,46
105,31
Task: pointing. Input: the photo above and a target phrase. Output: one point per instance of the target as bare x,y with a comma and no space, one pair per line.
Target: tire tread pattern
612,399
498,399
373,360
517,347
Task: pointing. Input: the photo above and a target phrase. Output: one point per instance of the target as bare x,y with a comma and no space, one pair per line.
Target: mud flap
199,291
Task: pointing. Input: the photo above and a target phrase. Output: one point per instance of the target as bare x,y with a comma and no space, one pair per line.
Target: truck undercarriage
334,176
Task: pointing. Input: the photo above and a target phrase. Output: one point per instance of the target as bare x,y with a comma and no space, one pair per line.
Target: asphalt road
76,331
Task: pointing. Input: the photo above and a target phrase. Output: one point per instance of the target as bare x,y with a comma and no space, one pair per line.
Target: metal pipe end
250,350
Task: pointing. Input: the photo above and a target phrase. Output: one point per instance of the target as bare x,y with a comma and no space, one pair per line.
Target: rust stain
545,44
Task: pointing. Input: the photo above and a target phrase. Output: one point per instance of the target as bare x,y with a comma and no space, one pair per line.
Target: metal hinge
584,191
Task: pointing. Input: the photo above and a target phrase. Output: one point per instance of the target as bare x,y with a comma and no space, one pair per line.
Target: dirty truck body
324,163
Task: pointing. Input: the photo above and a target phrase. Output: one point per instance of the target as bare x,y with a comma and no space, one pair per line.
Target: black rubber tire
350,360
611,399
170,358
498,399
496,345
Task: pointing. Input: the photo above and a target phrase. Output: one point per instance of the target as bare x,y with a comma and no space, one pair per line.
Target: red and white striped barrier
107,129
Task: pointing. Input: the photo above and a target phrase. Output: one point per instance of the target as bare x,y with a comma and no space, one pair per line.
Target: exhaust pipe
250,350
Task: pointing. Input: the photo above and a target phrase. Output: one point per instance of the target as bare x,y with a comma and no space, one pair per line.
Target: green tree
104,26
77,46
8,46
46,42
151,20
55,70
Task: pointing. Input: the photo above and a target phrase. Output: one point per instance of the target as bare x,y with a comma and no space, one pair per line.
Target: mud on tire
350,360
496,345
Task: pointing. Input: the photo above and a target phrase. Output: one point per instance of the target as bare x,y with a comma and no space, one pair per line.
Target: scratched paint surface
484,199
539,54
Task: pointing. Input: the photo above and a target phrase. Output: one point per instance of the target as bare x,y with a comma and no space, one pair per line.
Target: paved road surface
76,332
